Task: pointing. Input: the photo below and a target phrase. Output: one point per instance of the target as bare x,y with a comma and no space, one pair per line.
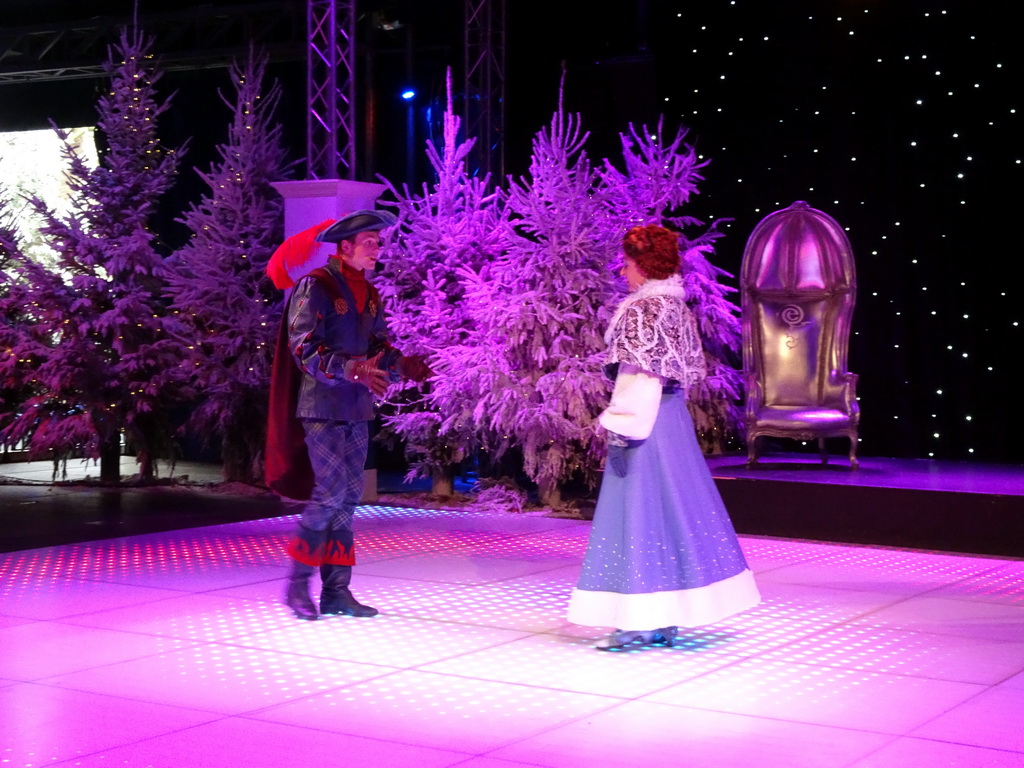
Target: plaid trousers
337,451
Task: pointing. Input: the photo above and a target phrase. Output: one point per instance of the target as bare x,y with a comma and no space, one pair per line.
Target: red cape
286,466
287,470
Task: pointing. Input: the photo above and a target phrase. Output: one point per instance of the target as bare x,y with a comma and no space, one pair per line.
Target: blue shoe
639,638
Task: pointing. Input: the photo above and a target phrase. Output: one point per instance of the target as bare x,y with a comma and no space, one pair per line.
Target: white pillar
307,203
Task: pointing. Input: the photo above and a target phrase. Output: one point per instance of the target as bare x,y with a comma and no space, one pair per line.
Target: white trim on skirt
652,610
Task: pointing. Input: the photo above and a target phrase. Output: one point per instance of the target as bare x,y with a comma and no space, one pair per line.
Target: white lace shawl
653,329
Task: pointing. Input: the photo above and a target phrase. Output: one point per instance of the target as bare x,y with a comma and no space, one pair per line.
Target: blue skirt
662,551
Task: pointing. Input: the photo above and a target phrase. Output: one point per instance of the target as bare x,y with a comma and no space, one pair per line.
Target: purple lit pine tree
94,351
541,310
218,285
448,228
657,179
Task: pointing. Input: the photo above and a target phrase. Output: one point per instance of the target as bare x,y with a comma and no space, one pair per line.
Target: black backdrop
900,120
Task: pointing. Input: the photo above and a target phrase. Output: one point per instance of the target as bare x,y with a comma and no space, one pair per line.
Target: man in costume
333,358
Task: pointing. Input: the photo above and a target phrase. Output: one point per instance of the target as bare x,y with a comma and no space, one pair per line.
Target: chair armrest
754,397
848,382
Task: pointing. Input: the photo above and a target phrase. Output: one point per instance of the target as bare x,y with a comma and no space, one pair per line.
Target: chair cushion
795,417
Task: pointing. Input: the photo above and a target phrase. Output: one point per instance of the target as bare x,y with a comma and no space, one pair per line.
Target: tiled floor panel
173,650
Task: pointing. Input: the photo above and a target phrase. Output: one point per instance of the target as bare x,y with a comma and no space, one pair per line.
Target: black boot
336,597
297,597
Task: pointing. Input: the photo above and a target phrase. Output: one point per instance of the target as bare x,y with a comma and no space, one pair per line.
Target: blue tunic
326,331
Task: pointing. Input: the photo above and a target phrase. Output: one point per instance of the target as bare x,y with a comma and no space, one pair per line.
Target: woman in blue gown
663,552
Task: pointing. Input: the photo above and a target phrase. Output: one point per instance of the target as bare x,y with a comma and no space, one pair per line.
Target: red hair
654,249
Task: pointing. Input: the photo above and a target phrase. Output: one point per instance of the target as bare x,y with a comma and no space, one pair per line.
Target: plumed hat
354,223
305,251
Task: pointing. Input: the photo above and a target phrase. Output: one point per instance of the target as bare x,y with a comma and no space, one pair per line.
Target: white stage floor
173,650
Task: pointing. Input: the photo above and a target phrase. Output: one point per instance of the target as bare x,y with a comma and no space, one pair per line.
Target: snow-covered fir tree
541,310
447,228
657,179
91,347
217,281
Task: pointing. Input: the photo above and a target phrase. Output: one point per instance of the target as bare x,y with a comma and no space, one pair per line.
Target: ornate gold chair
797,289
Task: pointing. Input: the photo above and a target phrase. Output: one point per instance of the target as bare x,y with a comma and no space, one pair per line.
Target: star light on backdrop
902,122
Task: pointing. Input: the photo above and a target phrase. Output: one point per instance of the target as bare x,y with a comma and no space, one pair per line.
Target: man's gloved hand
617,460
369,374
413,367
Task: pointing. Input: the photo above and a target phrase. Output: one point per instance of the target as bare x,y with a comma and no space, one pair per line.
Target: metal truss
186,40
331,89
484,114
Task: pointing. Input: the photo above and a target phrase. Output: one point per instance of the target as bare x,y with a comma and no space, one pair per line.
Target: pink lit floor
173,650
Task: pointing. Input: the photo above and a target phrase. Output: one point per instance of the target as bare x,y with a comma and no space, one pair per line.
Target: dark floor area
952,506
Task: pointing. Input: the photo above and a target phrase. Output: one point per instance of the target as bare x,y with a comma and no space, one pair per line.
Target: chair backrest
798,289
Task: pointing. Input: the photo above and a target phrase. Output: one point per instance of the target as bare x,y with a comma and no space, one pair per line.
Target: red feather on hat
299,255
